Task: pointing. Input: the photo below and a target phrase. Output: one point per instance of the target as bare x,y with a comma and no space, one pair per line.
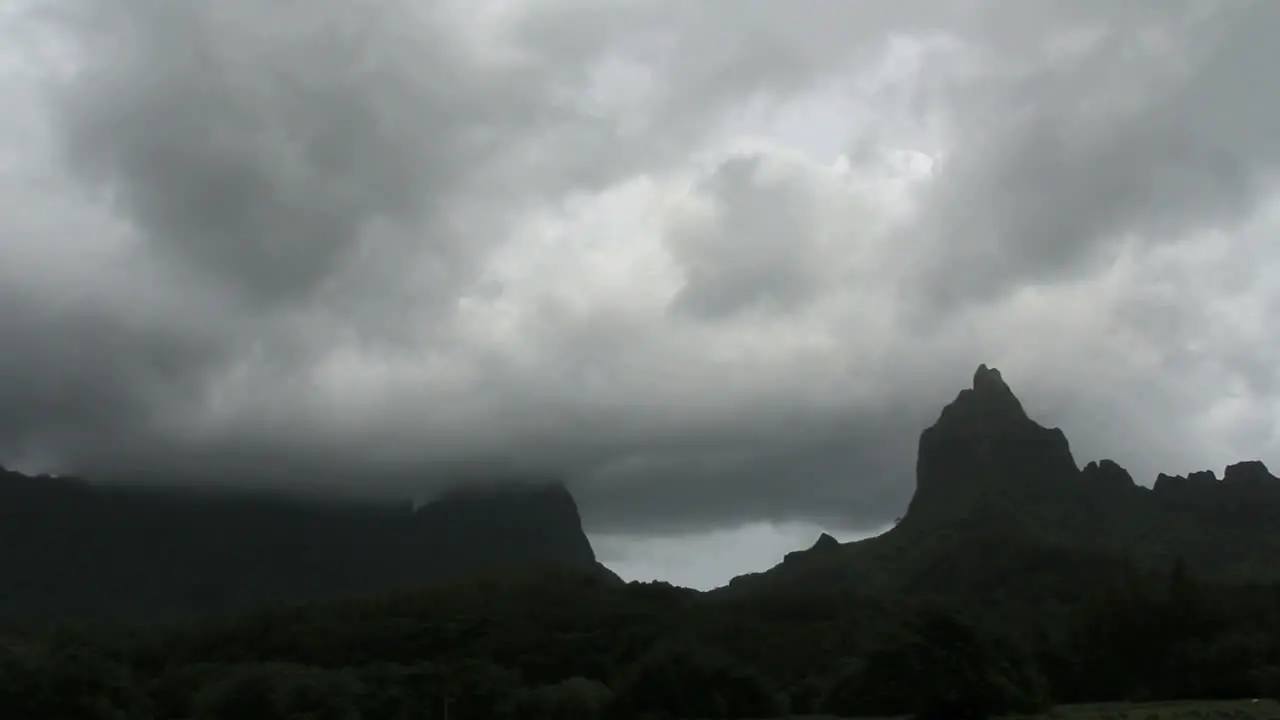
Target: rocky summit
999,495
984,449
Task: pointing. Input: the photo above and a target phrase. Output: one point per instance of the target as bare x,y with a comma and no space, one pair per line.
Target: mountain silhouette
1000,510
1001,506
75,550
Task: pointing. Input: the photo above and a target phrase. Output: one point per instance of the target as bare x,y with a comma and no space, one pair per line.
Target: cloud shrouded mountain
713,263
97,552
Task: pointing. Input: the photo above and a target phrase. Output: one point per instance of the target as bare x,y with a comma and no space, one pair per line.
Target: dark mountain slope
1000,501
72,550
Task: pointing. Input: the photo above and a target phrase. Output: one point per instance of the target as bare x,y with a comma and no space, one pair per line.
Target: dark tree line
579,648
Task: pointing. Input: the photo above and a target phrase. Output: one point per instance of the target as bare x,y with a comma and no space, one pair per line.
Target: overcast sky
715,262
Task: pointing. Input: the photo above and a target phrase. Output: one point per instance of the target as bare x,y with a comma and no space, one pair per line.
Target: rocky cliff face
997,495
984,449
984,452
75,550
1244,480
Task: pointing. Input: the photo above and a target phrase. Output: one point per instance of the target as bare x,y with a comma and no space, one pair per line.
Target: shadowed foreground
1248,709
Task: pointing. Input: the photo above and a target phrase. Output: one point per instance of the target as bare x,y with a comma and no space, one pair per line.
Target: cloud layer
716,263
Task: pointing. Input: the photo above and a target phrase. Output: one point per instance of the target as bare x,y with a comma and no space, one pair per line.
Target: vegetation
565,645
1015,584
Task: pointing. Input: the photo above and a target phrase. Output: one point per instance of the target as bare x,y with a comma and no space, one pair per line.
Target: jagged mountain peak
985,454
987,406
1107,474
1247,484
1248,472
989,379
984,444
825,543
999,496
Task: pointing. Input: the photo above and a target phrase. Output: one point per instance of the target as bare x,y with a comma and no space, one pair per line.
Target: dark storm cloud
86,379
829,470
1160,130
364,246
261,143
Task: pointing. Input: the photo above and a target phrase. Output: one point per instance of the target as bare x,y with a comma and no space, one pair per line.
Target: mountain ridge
998,496
986,470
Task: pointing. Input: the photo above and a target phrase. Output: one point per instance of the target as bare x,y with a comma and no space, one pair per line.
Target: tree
940,668
686,679
1267,682
264,691
573,699
67,681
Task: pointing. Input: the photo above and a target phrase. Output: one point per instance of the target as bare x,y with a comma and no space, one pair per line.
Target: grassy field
1188,710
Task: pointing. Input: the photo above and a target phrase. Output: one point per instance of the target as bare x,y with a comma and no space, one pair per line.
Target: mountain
75,550
1001,507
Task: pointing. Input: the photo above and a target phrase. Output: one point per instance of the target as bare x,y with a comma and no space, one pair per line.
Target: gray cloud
756,250
713,262
1157,131
267,147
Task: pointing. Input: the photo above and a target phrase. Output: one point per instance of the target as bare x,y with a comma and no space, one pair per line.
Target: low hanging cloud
713,263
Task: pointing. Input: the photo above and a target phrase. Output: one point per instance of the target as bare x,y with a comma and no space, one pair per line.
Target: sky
715,263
